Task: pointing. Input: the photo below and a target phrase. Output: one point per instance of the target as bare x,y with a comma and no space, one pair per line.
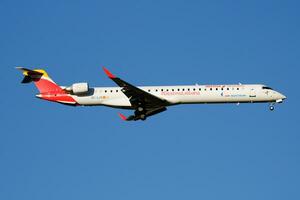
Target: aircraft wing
142,101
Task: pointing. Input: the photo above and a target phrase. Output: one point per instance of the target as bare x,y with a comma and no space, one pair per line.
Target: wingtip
123,117
108,73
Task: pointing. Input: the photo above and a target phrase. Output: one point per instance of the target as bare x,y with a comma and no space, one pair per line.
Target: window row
181,89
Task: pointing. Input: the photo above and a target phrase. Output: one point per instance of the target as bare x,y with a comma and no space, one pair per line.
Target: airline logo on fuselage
191,93
233,95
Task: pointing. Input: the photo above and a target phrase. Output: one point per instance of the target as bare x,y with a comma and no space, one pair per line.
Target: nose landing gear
271,107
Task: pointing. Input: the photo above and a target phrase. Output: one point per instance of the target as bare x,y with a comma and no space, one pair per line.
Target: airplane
147,100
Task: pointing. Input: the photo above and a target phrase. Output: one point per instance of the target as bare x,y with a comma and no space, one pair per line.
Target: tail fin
41,80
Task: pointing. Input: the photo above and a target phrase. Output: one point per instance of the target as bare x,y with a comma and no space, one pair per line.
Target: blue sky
49,151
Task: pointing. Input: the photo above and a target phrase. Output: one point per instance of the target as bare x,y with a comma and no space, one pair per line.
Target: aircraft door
252,93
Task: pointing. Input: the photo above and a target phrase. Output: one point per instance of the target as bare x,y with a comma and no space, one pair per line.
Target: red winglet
110,75
123,117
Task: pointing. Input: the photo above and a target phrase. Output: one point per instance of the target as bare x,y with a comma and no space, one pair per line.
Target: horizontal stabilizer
31,75
26,79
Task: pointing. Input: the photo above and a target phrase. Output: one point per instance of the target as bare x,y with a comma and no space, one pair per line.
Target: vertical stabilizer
41,80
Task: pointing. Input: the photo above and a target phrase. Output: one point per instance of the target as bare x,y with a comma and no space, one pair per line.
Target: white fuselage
188,94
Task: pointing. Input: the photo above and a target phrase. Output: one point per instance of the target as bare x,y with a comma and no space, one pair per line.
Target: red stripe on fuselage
61,98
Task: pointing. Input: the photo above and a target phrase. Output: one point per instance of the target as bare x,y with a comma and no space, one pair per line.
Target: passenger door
252,93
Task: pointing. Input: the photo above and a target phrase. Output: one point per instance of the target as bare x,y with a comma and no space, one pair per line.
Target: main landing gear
143,117
140,113
140,109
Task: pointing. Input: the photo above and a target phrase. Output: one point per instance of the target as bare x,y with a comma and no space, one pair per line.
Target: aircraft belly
117,102
89,100
209,98
103,100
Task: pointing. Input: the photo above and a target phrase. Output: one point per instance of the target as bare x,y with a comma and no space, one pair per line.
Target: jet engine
78,88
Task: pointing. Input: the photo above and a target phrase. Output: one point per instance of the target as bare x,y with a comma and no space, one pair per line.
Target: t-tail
48,89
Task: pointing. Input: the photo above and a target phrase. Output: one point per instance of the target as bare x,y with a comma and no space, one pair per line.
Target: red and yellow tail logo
42,81
48,89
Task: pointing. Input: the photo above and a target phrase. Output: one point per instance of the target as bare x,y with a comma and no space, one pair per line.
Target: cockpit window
266,88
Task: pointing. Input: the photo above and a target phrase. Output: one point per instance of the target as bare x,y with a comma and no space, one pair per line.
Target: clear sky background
50,151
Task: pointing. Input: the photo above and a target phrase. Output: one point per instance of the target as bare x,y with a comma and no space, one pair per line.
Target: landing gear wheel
140,109
271,107
143,117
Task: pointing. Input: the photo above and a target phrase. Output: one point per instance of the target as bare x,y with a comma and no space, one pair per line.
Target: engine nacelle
79,88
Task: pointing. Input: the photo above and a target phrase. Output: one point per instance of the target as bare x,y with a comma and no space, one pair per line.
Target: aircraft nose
282,96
